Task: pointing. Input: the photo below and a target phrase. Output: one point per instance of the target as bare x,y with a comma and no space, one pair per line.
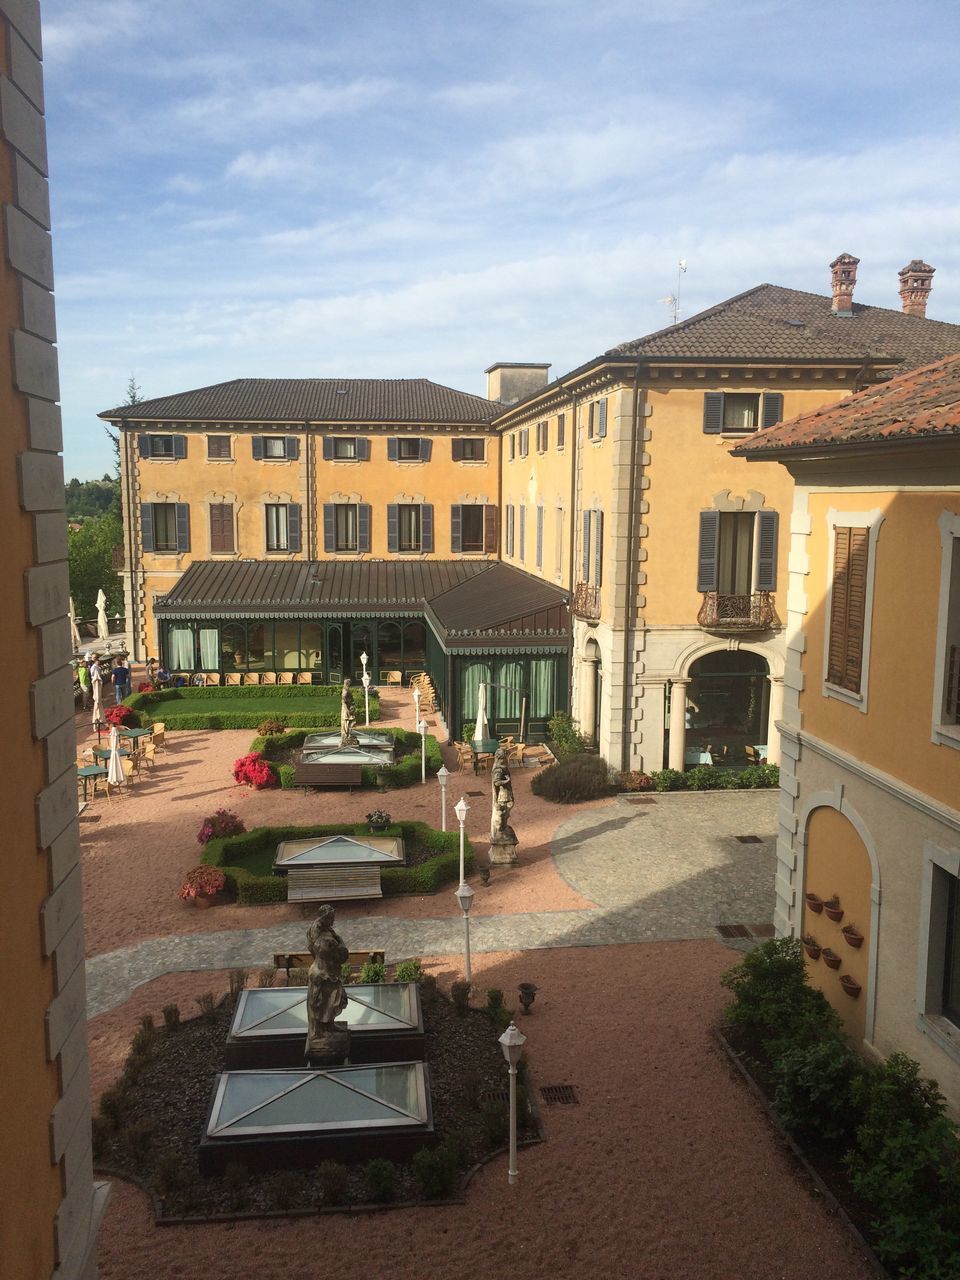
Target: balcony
754,612
586,602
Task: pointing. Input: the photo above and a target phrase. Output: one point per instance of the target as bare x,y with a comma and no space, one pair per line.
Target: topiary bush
573,779
564,736
381,1178
436,1170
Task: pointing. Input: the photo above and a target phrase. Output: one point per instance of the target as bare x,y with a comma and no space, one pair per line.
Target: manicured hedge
404,773
311,706
246,859
711,778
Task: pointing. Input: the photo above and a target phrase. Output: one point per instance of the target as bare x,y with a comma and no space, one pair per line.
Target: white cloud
274,164
229,111
478,95
96,22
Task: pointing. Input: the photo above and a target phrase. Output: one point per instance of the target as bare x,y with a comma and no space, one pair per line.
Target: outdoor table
103,753
761,750
482,746
135,733
697,757
90,771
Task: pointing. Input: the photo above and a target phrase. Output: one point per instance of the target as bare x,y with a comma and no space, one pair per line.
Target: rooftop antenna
673,299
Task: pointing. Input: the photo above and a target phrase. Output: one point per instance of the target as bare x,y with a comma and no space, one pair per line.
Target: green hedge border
403,774
161,705
253,890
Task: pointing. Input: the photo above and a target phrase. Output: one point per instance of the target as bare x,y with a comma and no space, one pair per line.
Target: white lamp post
512,1042
422,728
443,773
416,702
464,895
366,696
461,809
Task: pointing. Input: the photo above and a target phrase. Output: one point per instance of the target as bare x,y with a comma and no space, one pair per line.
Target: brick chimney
916,281
843,278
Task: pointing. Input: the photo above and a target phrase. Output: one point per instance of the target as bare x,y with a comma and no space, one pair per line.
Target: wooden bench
303,959
340,776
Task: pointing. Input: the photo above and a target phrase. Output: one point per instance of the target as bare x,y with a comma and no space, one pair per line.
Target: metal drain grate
562,1093
733,931
495,1095
748,839
476,793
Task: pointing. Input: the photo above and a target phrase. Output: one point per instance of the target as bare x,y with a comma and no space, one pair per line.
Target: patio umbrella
74,630
115,765
103,627
97,717
481,731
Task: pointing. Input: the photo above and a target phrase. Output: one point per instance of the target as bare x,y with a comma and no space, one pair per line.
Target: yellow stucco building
870,806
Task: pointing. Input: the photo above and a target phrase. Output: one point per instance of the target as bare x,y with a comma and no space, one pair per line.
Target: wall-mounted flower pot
852,936
811,946
833,909
830,958
814,902
850,985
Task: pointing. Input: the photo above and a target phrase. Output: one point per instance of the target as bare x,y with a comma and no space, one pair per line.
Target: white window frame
472,506
228,457
164,456
945,735
871,521
274,457
932,941
417,520
343,441
407,442
337,549
473,442
282,525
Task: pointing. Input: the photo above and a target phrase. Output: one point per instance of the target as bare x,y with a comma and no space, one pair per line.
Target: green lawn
306,706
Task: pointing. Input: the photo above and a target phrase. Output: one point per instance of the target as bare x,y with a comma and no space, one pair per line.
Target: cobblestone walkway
671,869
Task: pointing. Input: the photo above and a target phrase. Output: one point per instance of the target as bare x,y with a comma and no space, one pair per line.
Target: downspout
132,557
309,452
574,427
639,402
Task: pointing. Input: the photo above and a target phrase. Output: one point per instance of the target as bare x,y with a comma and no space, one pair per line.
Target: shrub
238,981
202,880
143,1041
334,1181
812,1086
773,1001
436,1170
705,778
171,1017
573,779
494,998
428,989
380,1177
634,780
669,780
172,1175
222,823
565,738
122,716
266,976
460,995
274,724
207,1005
905,1165
759,775
378,818
252,770
496,1122
373,972
408,971
138,1138
113,1103
101,1131
346,971
286,1187
235,1183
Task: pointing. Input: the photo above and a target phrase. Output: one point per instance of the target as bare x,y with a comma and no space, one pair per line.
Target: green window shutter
328,448
293,526
426,449
143,444
768,523
539,537
713,413
456,535
392,449
329,527
183,526
179,446
602,418
586,546
523,532
363,449
393,527
292,447
426,526
597,548
561,428
772,408
457,446
708,552
509,537
363,526
257,444
146,526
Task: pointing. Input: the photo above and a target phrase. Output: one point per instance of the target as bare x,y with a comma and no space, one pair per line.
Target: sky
419,188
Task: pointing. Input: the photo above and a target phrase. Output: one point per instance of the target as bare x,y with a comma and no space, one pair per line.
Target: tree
134,396
91,564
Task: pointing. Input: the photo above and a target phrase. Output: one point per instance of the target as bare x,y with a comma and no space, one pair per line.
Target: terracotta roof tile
924,403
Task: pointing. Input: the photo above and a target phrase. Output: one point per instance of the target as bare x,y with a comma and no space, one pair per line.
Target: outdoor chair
268,677
233,678
212,679
252,677
285,677
391,677
158,736
145,753
464,756
304,677
752,754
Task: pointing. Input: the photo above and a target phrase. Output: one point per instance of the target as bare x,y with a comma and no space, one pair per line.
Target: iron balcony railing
586,601
754,612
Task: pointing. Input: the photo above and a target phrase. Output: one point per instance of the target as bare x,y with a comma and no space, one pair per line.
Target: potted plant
378,820
852,936
814,902
222,823
850,985
201,885
830,958
833,909
811,946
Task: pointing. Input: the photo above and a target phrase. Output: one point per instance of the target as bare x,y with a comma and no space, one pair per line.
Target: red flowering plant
202,882
123,717
253,771
223,823
145,686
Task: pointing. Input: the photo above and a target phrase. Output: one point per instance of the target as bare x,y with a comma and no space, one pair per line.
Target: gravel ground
667,1170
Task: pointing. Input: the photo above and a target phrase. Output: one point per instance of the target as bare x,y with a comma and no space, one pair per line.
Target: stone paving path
671,869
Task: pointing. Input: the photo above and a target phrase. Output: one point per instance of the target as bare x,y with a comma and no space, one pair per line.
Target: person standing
83,679
120,678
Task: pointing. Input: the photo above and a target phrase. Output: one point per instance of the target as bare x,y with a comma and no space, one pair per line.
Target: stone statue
348,717
503,838
327,1042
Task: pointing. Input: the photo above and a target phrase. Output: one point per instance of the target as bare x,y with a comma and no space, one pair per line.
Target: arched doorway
727,705
591,698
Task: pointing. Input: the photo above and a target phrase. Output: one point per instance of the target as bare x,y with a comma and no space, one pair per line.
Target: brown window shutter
490,528
221,528
848,608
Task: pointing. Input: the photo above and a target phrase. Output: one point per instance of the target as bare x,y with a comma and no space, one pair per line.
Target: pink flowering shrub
145,686
123,717
223,823
253,771
202,881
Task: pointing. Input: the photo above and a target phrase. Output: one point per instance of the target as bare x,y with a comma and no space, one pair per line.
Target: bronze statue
503,838
326,998
348,717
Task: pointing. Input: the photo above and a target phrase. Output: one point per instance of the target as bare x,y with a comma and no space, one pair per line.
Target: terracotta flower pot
833,913
830,958
814,902
852,936
203,900
850,985
812,949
